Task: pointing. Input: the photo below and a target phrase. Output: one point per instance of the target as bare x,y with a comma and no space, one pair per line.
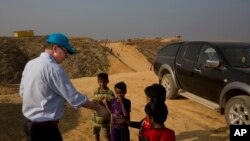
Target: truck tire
168,83
237,110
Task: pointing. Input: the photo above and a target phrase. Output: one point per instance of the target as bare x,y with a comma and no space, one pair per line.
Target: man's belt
48,123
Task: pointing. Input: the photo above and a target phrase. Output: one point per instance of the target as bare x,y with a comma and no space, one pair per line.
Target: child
157,113
100,123
154,93
120,108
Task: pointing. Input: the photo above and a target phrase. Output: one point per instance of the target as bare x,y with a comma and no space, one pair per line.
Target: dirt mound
91,57
15,52
12,61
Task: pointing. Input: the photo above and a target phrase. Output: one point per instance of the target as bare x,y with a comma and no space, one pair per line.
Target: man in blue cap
44,88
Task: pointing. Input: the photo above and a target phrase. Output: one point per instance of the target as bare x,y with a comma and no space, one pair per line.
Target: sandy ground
190,120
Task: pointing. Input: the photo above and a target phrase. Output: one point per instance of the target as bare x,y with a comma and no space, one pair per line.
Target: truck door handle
197,70
178,64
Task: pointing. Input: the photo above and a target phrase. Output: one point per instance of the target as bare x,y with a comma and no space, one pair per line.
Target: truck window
191,52
238,56
207,53
170,50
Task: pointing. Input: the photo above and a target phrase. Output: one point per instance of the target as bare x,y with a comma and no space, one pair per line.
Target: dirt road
190,120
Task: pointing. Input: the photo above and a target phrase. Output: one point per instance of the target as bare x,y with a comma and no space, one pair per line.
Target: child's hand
120,99
104,99
105,102
121,120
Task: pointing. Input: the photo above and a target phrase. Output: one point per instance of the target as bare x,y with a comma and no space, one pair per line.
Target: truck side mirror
212,63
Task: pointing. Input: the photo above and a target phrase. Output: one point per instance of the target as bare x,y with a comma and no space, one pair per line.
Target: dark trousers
120,134
41,131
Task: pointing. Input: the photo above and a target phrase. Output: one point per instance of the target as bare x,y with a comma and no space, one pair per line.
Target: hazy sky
124,19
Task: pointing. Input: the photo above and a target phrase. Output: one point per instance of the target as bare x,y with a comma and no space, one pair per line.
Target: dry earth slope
127,58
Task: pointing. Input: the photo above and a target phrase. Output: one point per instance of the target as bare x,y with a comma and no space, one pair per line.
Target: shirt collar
48,56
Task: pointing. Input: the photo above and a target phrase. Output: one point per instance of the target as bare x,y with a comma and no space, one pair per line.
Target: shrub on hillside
12,61
91,59
149,47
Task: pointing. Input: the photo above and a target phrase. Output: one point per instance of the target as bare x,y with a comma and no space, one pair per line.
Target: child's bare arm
124,111
105,101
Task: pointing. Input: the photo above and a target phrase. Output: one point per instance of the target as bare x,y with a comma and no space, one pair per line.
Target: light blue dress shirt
44,88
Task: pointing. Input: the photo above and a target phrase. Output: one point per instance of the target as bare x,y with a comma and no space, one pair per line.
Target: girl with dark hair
157,114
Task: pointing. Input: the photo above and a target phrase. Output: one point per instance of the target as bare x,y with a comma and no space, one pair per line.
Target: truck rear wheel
237,111
168,83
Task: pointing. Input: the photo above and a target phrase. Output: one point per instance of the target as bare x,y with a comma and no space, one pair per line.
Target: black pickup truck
216,74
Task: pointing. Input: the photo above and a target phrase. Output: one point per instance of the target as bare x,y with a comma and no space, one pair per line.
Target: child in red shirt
157,113
154,93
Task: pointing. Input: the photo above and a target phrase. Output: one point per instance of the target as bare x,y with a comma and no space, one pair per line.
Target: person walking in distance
45,87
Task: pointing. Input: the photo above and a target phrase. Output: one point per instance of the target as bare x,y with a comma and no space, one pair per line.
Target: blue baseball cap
61,40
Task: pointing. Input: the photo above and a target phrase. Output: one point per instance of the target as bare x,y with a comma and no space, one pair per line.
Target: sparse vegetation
148,47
